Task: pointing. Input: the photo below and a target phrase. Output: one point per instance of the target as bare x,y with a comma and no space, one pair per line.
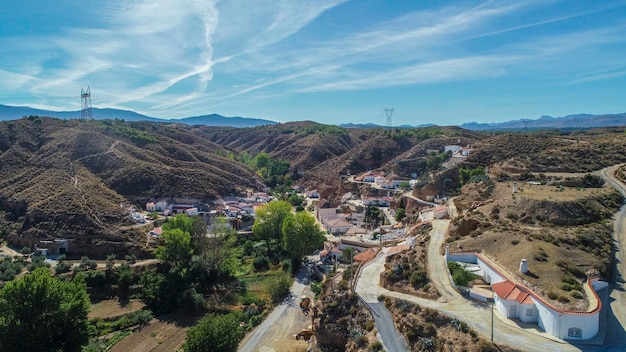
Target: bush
261,263
248,248
552,295
376,346
278,286
576,294
562,299
219,333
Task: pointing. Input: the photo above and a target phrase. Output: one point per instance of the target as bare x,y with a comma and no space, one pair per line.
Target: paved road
253,341
368,289
479,316
615,334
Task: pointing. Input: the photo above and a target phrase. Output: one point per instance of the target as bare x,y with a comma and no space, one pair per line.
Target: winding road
479,315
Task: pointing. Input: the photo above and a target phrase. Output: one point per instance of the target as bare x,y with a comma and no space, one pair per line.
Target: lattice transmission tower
86,114
389,112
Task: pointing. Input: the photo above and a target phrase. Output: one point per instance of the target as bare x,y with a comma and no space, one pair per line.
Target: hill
579,121
16,112
63,178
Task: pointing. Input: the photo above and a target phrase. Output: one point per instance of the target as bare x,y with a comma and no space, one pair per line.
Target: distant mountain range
16,112
571,121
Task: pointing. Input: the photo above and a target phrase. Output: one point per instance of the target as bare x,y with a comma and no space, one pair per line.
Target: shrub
369,325
376,346
576,294
552,295
278,286
562,299
261,263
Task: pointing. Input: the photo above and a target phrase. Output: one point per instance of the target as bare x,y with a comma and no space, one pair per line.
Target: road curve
252,341
476,315
367,287
615,335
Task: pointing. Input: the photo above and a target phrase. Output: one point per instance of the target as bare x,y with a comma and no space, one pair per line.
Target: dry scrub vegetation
564,232
428,330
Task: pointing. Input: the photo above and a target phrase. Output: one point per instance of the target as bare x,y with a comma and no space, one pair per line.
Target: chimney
523,266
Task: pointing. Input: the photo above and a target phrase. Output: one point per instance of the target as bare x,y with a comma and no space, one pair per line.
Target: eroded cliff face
340,320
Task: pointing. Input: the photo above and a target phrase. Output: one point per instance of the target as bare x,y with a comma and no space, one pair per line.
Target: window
574,332
529,312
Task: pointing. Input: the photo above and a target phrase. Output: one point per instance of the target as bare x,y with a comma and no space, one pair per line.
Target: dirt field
158,336
113,308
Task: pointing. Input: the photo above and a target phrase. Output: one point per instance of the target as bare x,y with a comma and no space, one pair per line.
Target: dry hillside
62,178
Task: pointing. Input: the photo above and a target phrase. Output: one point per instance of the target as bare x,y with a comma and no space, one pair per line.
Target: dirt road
276,332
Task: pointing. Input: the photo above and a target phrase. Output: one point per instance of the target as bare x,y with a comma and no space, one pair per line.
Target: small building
53,247
338,226
313,193
324,210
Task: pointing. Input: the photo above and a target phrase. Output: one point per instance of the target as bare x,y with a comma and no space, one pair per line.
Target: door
512,311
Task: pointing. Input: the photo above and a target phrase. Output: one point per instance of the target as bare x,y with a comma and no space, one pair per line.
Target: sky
330,61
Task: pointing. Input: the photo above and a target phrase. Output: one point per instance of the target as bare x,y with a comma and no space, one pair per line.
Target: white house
516,301
338,226
313,193
159,205
452,148
324,210
191,211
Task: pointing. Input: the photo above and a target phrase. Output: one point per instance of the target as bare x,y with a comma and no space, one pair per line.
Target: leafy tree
404,185
373,215
216,333
301,234
176,249
466,175
269,220
125,280
261,160
41,313
219,248
195,226
400,214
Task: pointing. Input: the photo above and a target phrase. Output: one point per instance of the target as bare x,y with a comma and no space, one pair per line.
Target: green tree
41,313
125,280
216,333
261,160
400,214
268,224
301,234
219,253
373,216
176,249
195,226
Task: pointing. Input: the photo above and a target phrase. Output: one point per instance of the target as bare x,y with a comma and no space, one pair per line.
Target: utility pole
86,113
389,112
492,302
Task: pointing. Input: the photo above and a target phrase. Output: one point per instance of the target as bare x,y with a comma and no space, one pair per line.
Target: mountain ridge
581,120
8,112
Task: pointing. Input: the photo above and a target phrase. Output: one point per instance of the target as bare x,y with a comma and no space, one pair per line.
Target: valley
398,201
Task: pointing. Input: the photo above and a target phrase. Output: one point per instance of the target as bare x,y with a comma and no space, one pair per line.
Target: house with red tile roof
516,301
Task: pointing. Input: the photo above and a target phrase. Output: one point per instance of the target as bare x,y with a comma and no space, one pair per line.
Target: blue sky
331,61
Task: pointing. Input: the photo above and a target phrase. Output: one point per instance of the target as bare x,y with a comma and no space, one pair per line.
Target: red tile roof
509,291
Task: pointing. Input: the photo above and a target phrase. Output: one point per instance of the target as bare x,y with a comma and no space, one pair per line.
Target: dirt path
276,332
